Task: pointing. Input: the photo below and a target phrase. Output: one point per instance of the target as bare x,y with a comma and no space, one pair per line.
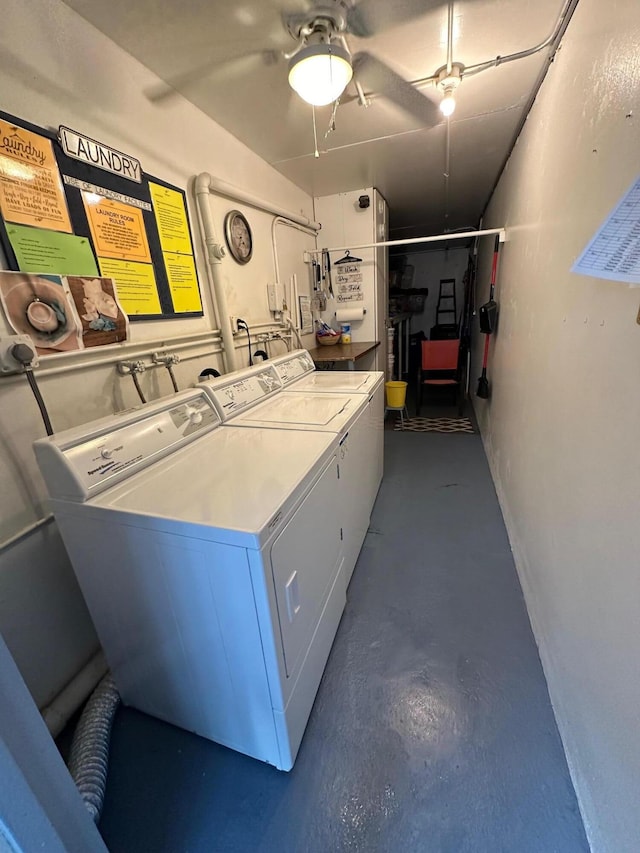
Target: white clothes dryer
215,590
254,399
297,372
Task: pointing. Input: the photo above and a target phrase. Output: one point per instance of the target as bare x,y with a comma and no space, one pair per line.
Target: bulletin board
61,216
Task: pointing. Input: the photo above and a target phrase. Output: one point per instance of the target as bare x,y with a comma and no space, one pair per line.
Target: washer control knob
106,453
194,416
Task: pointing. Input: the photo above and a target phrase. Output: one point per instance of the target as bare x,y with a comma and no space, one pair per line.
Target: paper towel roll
348,315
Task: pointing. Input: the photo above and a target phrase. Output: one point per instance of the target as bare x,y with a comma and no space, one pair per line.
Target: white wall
561,429
430,267
41,806
343,222
57,69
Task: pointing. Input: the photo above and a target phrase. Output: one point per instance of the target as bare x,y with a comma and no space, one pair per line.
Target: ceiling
211,51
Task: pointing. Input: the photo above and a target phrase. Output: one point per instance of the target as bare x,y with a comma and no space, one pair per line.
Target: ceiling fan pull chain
315,134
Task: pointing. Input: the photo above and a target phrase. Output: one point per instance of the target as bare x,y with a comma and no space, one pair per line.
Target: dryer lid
312,410
232,487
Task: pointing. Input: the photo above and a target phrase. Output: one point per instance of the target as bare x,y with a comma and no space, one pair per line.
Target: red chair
440,367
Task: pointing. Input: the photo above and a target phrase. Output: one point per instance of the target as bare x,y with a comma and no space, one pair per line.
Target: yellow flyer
117,229
171,219
136,283
31,191
183,282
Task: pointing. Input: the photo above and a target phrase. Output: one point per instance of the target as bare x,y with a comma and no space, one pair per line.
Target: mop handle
494,266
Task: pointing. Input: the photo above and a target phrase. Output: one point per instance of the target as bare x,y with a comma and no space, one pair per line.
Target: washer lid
232,486
303,411
362,382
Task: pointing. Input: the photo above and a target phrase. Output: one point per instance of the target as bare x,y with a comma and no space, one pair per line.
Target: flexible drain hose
89,758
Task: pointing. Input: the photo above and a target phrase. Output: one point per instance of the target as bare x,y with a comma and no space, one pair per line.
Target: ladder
447,303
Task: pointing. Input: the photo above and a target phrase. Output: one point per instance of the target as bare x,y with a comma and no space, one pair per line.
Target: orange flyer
31,191
118,229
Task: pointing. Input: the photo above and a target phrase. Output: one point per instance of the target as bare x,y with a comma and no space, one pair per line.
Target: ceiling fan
321,64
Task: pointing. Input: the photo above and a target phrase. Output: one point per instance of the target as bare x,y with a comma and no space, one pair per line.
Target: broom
487,316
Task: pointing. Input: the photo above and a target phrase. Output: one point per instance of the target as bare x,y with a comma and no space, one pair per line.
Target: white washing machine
297,372
254,398
215,590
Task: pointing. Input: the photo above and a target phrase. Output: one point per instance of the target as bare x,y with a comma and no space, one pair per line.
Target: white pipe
295,332
193,357
279,220
26,531
223,188
295,310
447,166
450,37
214,302
214,349
214,253
126,351
437,238
58,713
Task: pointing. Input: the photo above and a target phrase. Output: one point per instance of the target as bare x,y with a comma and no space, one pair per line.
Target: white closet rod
437,238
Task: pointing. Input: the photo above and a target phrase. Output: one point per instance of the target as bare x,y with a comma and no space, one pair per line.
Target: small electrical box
8,364
275,297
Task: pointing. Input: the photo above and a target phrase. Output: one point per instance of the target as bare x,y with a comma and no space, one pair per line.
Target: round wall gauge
238,236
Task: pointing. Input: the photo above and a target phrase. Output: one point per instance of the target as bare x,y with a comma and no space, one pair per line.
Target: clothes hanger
348,259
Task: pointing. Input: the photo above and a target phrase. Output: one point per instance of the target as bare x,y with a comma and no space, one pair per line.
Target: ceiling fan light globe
319,73
447,105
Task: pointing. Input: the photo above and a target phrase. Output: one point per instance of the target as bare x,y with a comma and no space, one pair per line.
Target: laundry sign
87,150
349,283
72,206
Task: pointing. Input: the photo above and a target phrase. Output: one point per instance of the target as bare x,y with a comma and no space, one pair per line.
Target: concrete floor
432,729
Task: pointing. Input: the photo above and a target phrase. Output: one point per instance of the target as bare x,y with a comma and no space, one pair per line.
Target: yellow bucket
396,394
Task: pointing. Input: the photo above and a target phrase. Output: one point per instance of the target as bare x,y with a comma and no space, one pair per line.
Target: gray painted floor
432,729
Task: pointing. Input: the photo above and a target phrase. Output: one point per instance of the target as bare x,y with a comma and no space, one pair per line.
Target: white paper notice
306,318
614,252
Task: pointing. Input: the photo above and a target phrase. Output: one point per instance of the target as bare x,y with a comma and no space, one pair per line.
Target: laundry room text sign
348,277
101,156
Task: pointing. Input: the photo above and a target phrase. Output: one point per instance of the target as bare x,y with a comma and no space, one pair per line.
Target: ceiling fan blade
213,71
368,17
378,77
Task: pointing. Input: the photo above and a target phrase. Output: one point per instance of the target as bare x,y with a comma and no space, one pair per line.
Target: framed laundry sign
348,278
71,205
